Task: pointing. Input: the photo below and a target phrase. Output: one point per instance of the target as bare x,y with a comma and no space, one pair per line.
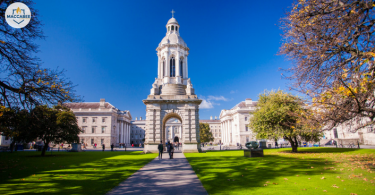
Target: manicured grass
67,173
313,171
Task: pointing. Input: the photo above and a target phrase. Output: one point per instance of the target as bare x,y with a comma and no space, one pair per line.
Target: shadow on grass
67,173
226,172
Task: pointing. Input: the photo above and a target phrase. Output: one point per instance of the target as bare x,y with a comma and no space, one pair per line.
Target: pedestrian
112,147
160,147
103,147
169,149
276,146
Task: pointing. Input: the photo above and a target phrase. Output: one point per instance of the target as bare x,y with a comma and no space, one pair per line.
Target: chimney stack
211,118
136,118
215,117
102,103
140,118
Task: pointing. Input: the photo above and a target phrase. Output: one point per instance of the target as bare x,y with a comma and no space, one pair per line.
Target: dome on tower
172,21
172,39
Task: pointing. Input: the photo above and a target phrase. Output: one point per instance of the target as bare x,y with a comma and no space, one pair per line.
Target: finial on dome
172,13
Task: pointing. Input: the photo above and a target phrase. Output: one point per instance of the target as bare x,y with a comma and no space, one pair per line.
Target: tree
205,133
277,115
23,82
331,45
16,123
57,124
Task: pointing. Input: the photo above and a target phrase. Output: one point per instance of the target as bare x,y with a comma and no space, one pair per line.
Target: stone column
129,129
186,67
177,62
159,67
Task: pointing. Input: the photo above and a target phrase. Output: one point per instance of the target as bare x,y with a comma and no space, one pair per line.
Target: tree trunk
45,148
12,146
294,144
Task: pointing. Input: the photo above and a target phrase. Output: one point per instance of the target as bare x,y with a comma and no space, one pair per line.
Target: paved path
166,176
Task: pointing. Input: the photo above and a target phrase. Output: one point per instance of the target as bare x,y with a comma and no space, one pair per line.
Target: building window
103,129
247,128
370,129
172,27
92,141
172,67
335,133
247,139
181,65
103,120
83,129
102,141
176,28
164,68
245,118
93,120
93,130
82,141
83,120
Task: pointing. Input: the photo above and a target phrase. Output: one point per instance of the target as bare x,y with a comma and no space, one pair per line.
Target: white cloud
217,98
206,104
233,91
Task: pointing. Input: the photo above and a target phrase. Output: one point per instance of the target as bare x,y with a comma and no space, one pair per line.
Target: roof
86,105
172,21
243,104
172,38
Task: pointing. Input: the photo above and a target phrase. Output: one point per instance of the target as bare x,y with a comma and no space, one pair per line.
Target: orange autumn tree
331,44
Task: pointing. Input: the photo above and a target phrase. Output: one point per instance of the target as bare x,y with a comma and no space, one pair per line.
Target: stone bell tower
172,94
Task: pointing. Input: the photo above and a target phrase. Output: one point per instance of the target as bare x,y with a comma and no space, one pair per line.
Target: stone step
173,89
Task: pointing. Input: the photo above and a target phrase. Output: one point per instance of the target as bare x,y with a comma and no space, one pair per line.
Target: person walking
160,147
103,147
171,151
112,147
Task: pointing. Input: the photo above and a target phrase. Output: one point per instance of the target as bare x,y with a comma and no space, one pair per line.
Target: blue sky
108,48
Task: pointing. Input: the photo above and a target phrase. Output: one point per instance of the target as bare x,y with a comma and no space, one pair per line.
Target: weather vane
172,13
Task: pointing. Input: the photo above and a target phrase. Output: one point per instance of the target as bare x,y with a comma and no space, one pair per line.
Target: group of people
170,149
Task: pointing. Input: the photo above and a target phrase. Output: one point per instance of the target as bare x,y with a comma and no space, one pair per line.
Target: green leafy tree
205,133
57,124
16,123
278,115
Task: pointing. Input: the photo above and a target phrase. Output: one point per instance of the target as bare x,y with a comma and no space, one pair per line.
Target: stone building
138,130
172,94
345,134
234,123
101,123
215,128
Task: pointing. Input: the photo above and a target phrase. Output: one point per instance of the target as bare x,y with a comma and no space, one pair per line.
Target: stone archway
164,122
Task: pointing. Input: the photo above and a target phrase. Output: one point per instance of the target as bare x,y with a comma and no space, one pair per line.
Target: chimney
140,118
215,117
210,117
248,101
102,103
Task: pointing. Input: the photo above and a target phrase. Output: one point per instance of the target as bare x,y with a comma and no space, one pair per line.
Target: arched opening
172,131
181,68
172,27
176,28
164,68
172,67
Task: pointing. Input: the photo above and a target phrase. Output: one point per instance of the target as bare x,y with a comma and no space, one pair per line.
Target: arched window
172,27
163,68
172,67
169,28
181,65
176,28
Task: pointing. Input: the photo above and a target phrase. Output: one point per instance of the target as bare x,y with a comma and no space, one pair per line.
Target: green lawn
67,173
313,171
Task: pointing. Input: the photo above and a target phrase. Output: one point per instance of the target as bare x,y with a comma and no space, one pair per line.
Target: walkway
166,176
